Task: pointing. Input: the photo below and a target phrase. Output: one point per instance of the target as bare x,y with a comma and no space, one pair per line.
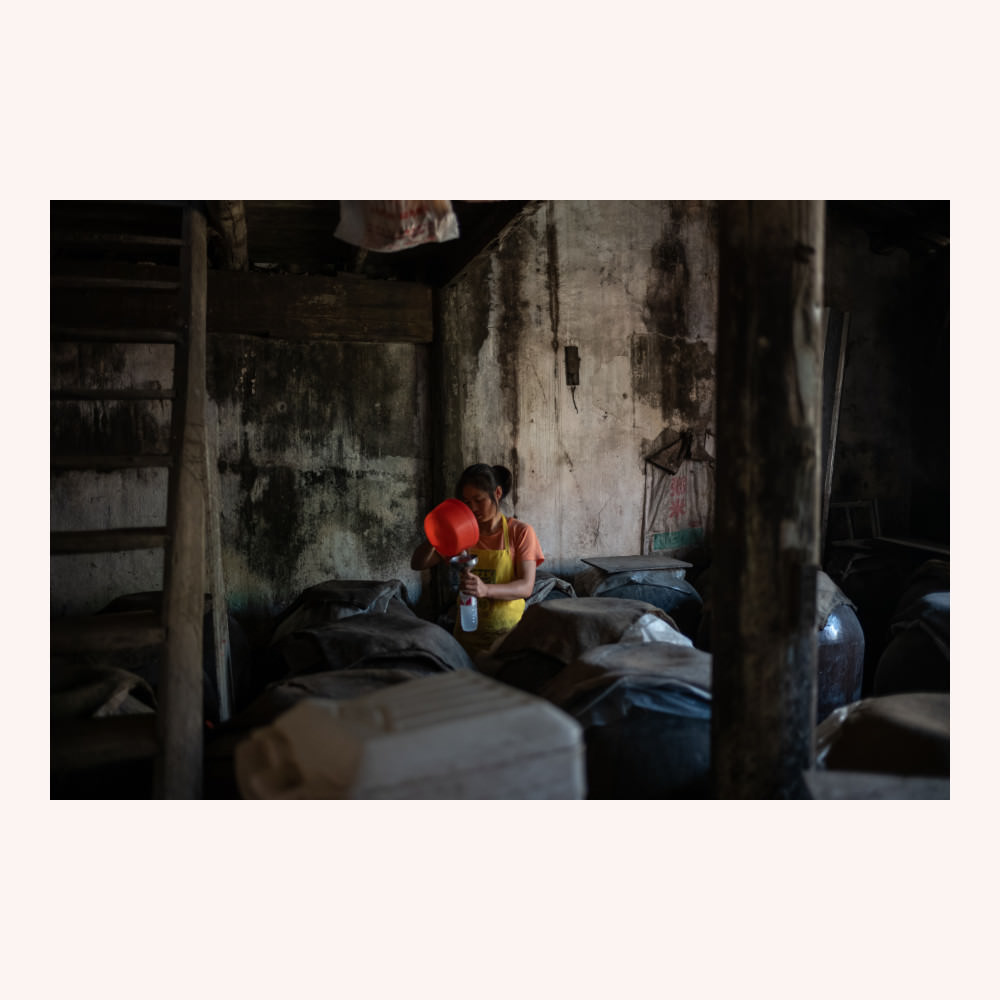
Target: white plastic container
468,605
451,736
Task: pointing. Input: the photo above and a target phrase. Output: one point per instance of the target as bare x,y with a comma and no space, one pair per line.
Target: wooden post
214,570
835,325
766,538
178,771
229,220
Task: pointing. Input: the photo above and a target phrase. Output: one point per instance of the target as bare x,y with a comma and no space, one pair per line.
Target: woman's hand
470,584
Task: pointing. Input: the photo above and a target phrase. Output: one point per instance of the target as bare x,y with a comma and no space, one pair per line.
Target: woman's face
482,504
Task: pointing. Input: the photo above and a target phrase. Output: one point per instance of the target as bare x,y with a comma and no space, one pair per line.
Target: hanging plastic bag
387,226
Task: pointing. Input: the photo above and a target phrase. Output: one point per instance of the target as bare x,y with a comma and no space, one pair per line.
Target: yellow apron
496,618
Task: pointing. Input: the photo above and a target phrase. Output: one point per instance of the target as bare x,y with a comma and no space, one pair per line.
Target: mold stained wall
322,468
633,286
323,465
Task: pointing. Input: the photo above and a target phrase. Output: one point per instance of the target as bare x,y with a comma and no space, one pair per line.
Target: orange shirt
523,540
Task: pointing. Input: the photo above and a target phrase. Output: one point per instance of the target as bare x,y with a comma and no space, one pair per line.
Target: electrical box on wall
572,366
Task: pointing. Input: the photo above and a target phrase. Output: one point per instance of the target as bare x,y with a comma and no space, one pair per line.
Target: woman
508,552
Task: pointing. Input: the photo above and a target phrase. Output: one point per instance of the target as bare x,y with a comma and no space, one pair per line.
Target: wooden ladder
174,737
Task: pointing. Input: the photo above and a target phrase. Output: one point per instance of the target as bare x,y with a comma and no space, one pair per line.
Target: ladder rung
111,462
70,394
114,540
83,281
130,240
119,336
106,633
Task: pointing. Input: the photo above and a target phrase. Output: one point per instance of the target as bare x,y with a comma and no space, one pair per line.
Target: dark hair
486,478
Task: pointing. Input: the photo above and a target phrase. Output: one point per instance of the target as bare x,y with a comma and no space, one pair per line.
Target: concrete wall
322,456
91,501
330,453
323,464
633,286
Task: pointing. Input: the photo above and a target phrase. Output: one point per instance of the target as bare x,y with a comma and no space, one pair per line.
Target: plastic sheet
367,640
389,226
664,589
553,634
549,588
918,656
646,712
334,600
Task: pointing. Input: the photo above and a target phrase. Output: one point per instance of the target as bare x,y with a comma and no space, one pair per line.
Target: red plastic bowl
451,527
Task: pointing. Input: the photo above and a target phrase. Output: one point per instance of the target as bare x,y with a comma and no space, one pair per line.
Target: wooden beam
281,306
766,538
315,307
229,220
104,633
213,566
835,328
106,540
178,771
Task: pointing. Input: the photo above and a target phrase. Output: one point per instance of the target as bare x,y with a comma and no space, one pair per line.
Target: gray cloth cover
369,639
335,600
646,713
564,630
906,734
593,582
548,587
930,613
600,685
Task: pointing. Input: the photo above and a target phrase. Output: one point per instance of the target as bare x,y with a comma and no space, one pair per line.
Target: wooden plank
299,232
834,356
114,284
106,240
281,306
766,537
106,463
315,307
214,569
105,633
912,545
632,564
140,218
81,393
118,335
178,768
112,540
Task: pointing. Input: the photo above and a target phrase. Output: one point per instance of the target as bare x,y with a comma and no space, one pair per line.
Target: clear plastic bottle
468,606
